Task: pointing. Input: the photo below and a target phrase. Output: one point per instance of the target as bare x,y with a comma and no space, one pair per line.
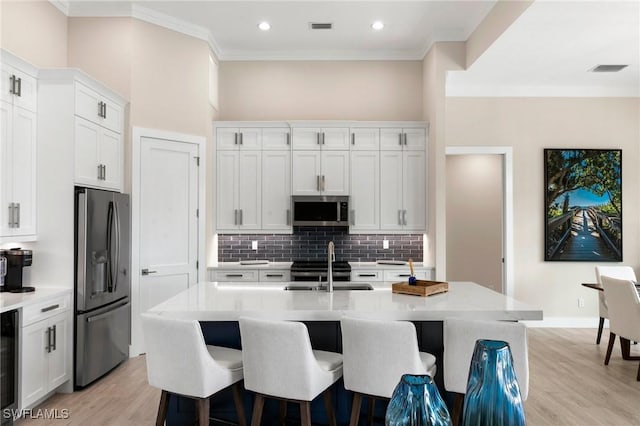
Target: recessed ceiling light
378,25
264,26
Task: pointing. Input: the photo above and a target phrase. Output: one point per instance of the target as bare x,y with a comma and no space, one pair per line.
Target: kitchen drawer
402,275
234,275
88,106
45,309
275,275
368,275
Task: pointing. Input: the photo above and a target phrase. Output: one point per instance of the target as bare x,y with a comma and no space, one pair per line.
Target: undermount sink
336,286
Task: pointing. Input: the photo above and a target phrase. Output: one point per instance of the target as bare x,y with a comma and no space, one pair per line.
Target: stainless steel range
316,270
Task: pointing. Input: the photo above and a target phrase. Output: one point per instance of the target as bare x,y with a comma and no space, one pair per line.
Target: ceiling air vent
320,25
608,68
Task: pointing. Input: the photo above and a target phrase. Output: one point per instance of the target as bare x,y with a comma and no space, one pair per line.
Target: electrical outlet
580,302
254,245
385,244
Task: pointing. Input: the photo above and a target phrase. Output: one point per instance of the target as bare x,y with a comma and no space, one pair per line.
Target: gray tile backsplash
310,243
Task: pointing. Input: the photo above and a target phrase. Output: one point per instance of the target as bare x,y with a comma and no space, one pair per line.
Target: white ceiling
546,52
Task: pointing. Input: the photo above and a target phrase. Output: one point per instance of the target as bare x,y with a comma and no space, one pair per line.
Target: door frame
136,143
507,207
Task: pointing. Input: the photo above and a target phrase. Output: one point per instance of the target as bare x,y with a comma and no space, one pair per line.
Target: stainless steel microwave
318,210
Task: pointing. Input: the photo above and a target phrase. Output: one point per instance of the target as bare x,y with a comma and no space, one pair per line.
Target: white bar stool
179,362
280,363
618,272
459,342
376,354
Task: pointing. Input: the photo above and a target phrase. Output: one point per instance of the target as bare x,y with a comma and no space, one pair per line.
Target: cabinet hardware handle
19,81
234,275
55,338
353,138
12,85
323,184
288,217
104,167
318,183
240,216
353,217
241,138
367,275
322,138
146,271
48,347
235,138
404,217
288,138
405,139
403,275
400,138
17,210
10,215
399,217
99,108
50,308
104,114
235,216
275,275
318,138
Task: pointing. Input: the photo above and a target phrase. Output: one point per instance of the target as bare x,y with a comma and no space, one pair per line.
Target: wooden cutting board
422,288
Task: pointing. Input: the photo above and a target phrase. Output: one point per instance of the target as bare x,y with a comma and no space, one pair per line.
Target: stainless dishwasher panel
103,338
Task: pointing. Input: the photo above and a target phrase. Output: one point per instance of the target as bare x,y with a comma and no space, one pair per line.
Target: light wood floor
569,385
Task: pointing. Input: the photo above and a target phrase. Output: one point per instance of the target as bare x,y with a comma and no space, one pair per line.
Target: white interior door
168,219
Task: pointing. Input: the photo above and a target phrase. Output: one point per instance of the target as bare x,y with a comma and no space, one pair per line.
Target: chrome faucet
331,257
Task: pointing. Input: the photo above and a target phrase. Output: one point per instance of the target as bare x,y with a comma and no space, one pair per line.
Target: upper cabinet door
6,169
391,176
87,135
24,170
334,178
97,108
227,138
306,172
227,172
415,139
335,138
365,139
307,138
365,191
276,139
414,191
391,139
250,138
110,156
249,189
276,190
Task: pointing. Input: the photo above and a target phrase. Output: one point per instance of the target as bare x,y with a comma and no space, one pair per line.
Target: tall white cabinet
276,179
18,142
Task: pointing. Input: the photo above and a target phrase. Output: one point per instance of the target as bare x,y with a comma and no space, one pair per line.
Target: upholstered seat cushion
228,358
328,360
429,362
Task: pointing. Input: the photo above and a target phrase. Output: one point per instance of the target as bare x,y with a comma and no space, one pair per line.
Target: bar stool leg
329,407
282,413
372,408
256,416
202,408
237,400
305,413
162,408
355,409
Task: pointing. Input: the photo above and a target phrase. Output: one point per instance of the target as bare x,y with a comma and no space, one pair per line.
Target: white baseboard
566,322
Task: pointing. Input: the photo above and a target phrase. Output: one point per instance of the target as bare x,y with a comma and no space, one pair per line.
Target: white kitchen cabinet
364,202
95,116
321,172
45,346
277,138
230,275
365,139
18,142
235,138
98,154
276,190
407,139
313,138
275,275
238,190
403,193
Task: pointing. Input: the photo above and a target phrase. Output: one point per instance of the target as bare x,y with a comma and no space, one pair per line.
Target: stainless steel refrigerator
103,282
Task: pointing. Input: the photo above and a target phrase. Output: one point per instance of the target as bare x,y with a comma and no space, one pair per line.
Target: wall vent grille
320,25
608,68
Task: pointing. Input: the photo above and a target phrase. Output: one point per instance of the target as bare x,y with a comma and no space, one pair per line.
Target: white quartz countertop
387,266
239,265
9,301
211,301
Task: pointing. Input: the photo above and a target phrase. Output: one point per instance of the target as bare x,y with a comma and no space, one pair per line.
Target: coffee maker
17,259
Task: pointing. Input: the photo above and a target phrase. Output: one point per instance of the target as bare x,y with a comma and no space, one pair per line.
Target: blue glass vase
493,395
416,402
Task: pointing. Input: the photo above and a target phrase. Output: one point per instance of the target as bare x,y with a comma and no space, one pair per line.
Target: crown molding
493,91
61,5
322,55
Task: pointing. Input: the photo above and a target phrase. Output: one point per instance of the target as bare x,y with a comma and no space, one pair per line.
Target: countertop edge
11,301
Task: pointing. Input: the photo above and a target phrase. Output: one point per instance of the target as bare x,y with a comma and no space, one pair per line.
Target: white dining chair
179,362
280,363
459,338
619,272
376,354
624,312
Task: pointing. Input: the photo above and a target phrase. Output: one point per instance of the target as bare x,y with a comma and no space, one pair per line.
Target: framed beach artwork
583,205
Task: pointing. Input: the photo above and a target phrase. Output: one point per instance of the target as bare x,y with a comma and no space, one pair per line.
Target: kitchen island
219,305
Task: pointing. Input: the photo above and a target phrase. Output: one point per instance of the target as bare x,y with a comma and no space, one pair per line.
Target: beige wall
529,125
474,219
35,31
321,90
102,47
